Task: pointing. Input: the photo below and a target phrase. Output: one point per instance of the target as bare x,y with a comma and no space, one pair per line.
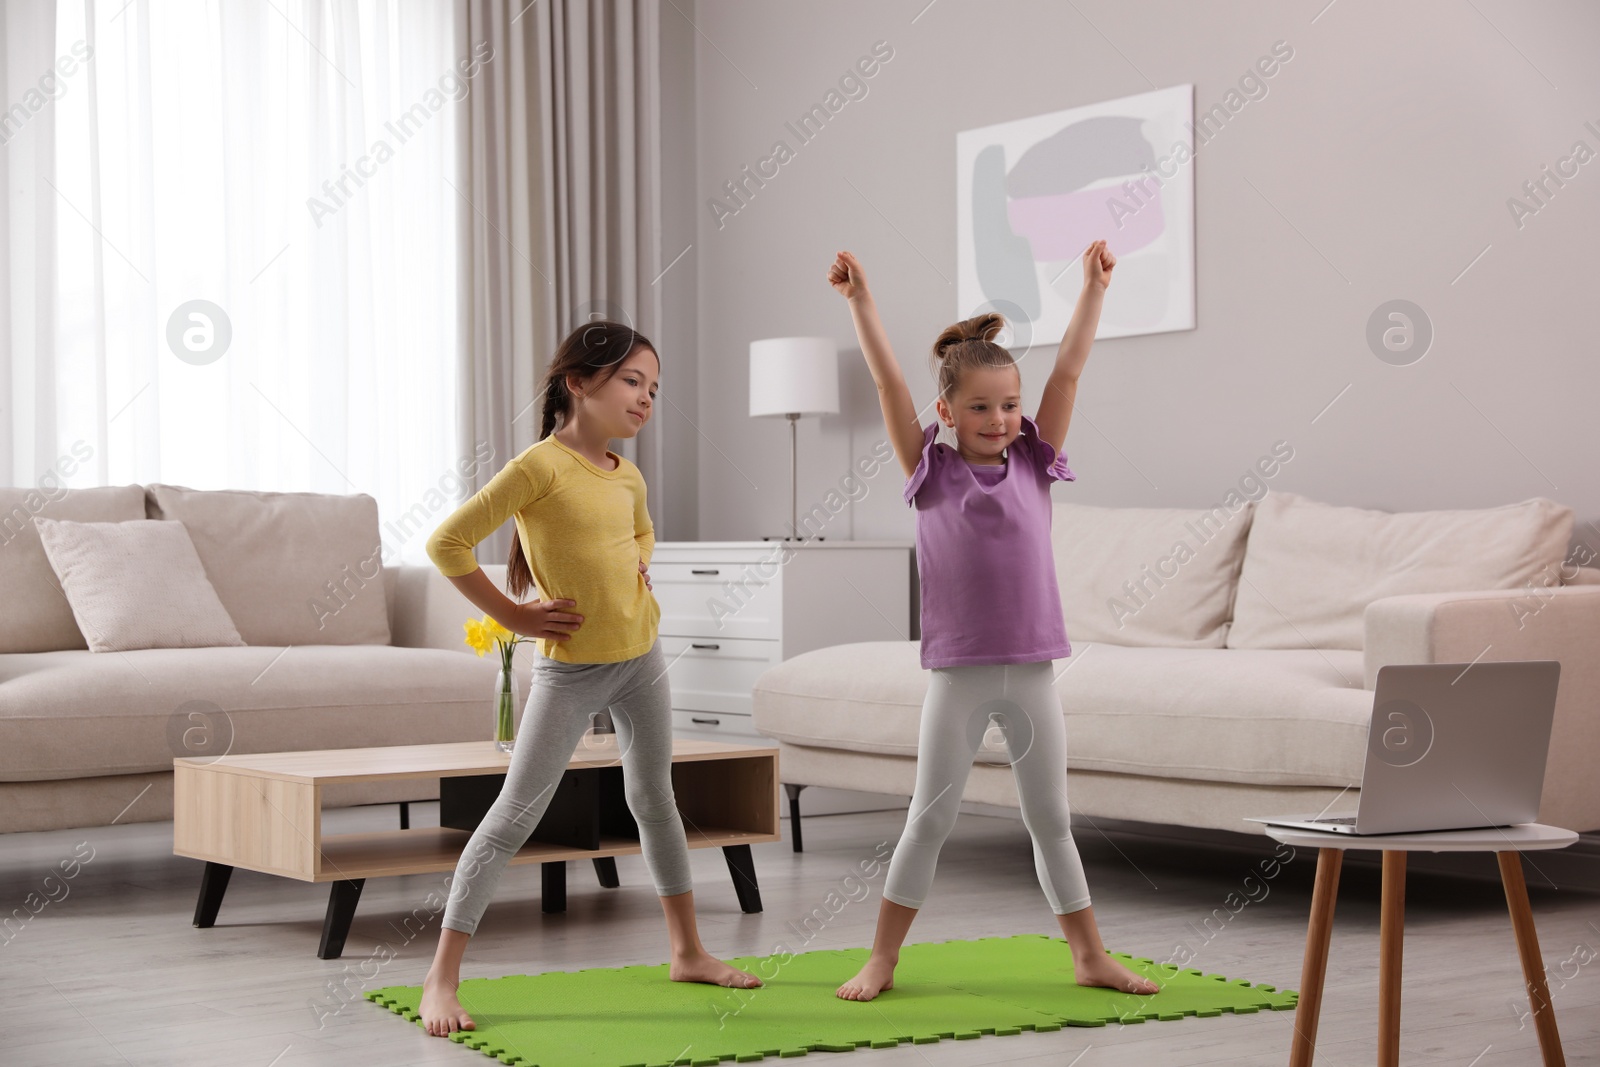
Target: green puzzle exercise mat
635,1017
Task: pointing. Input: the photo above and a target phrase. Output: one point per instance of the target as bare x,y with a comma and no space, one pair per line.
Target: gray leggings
562,702
961,701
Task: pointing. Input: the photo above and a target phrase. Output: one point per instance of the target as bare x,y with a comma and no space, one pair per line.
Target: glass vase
505,707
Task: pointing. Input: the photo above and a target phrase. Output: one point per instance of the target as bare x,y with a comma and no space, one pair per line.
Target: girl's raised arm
899,413
1061,389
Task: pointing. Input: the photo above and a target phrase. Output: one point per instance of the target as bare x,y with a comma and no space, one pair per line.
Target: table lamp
794,376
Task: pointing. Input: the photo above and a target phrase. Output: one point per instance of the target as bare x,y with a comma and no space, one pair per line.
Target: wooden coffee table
264,813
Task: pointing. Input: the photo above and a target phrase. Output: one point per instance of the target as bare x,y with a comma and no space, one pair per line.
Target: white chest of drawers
731,609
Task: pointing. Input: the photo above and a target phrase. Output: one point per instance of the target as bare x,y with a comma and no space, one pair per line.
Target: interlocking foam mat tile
944,990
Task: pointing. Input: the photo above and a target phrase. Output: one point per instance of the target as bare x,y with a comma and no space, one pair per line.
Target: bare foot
876,976
707,968
440,1010
1105,971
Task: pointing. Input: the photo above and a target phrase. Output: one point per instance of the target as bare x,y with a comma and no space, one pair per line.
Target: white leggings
961,702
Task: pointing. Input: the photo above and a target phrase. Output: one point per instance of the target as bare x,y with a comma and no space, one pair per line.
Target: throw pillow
136,584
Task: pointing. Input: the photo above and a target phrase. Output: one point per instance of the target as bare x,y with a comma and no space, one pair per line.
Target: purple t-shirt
988,575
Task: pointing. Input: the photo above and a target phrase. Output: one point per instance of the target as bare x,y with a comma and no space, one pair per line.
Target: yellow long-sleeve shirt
584,531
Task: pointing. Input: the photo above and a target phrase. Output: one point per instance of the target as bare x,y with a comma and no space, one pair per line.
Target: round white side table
1507,843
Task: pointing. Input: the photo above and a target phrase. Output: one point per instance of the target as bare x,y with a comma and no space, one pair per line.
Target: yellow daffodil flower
485,633
478,636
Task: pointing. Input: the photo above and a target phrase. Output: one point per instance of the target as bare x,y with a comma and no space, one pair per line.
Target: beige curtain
560,207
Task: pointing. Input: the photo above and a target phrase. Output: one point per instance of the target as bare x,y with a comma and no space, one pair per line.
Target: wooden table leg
342,900
213,883
553,887
1391,938
1315,966
742,867
1544,1013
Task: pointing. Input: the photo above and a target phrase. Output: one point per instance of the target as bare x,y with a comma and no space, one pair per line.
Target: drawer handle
706,722
711,647
713,570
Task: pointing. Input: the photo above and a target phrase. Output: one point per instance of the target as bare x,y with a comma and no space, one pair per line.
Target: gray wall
1377,166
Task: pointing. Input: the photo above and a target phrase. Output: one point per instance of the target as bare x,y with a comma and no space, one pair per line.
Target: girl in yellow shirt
584,538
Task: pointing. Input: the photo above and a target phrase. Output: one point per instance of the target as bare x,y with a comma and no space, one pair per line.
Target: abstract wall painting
1033,193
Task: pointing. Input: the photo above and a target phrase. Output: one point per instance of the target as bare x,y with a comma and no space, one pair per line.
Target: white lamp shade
794,375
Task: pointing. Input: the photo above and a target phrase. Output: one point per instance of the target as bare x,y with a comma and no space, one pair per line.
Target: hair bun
985,327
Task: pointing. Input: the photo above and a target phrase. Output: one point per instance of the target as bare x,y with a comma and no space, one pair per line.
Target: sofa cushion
1278,717
1148,576
135,584
291,568
37,617
1310,569
80,713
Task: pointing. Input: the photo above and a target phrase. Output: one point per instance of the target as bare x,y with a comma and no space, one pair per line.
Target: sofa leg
606,868
405,815
794,814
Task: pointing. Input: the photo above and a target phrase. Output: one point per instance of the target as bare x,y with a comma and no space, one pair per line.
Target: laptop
1451,746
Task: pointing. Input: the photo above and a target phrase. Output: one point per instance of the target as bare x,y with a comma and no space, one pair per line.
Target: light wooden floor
113,973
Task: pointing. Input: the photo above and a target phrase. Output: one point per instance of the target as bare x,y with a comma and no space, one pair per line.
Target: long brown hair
966,344
593,352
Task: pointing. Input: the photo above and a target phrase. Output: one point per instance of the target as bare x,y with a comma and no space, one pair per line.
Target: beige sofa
340,652
1223,661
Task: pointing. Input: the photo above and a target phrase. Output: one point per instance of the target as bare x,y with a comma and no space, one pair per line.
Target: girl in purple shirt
991,609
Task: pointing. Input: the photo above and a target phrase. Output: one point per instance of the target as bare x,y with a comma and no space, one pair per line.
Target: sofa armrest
1581,576
426,610
1559,622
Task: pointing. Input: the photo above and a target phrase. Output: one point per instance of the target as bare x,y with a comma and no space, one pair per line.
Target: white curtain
289,162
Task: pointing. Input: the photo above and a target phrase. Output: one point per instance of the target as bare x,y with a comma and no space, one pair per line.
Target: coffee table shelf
429,849
263,812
